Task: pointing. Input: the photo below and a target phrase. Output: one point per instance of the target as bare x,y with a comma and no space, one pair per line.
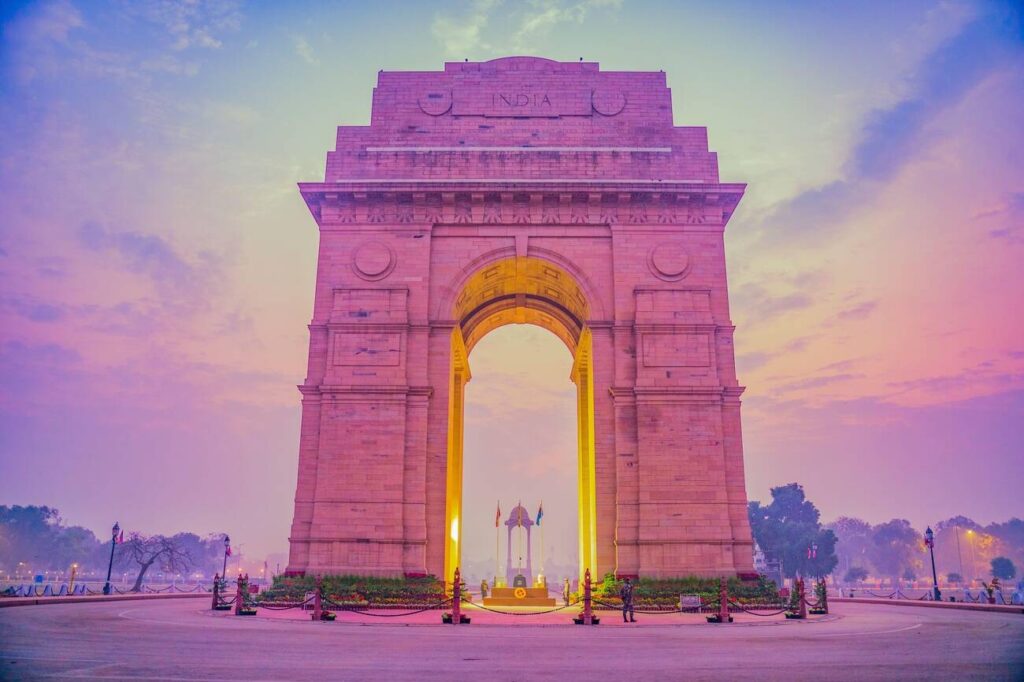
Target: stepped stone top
521,119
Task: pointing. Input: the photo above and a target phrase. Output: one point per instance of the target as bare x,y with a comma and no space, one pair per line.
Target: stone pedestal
521,596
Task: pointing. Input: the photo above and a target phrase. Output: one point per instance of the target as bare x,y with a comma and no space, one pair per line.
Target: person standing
566,591
483,589
626,594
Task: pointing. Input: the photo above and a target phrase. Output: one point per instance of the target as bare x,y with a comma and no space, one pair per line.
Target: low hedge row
666,591
359,589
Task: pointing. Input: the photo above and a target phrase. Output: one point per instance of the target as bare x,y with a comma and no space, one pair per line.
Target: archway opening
520,446
522,290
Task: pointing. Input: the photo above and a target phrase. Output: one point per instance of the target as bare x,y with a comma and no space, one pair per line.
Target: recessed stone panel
676,350
357,348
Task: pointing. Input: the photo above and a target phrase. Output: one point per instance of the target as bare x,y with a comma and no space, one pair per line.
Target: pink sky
157,262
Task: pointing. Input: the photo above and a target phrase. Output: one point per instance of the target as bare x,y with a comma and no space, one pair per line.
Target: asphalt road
180,640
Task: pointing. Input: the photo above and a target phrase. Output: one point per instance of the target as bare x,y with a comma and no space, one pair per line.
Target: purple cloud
891,137
858,312
150,255
34,310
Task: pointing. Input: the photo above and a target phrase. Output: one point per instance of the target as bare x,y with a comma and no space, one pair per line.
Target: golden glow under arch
521,290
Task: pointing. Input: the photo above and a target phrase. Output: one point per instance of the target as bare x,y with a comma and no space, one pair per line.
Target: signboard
689,601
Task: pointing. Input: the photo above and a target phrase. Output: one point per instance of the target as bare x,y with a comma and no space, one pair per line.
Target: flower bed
663,593
360,591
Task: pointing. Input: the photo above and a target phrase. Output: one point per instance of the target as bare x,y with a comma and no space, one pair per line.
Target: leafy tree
961,522
853,541
35,536
170,554
895,547
788,528
855,575
1010,539
1010,532
1003,568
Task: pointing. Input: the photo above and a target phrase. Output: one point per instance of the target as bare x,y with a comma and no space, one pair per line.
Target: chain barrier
742,608
881,596
686,609
352,609
35,591
282,607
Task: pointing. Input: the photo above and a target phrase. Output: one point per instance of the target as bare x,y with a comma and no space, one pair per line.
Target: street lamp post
929,540
227,553
113,542
959,556
974,566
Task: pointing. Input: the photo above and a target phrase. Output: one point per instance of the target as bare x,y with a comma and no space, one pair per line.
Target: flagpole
542,546
497,544
520,517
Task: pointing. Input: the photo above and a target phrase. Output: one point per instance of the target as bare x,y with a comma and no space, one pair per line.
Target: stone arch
449,292
521,290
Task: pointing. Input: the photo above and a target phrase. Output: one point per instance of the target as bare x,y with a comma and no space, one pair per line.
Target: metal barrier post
318,606
457,598
588,611
723,601
216,591
239,601
723,604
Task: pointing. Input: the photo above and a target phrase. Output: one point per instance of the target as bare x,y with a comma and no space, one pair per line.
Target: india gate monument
521,191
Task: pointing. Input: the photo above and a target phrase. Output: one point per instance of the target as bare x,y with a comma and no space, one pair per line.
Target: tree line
789,531
35,539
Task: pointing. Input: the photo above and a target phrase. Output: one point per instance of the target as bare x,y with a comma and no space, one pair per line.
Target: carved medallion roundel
669,262
373,261
608,102
435,102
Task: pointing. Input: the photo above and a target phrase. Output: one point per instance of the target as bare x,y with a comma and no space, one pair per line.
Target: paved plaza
182,640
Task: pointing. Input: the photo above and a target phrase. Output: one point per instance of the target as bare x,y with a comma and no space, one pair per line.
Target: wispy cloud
1009,217
893,136
53,39
153,256
31,308
857,312
758,302
463,35
521,25
191,23
544,15
305,51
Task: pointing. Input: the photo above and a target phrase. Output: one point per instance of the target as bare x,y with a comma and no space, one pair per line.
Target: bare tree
169,554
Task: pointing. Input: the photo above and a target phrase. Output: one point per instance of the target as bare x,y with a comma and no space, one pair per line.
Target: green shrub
360,589
666,591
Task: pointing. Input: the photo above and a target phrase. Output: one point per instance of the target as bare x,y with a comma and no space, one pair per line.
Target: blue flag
540,513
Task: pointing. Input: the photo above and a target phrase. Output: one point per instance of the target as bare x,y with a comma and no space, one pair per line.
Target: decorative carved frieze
537,208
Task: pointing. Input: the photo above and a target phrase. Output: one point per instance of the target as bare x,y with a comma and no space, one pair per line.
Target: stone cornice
625,204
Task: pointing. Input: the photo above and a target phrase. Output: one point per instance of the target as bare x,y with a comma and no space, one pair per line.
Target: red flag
497,516
227,552
120,538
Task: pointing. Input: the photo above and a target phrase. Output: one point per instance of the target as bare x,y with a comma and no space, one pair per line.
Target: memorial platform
519,596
